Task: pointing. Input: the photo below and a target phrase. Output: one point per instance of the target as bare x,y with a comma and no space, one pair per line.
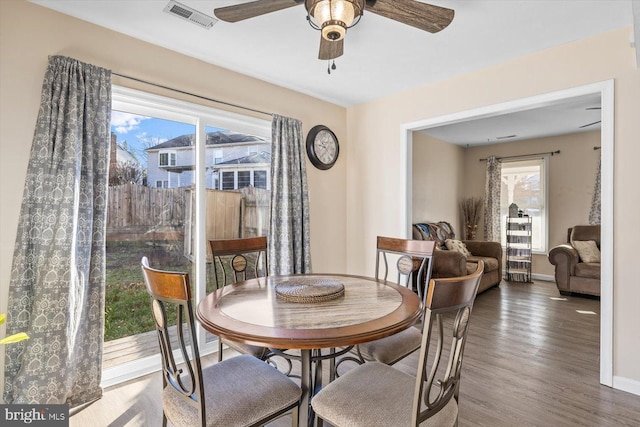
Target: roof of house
213,138
261,157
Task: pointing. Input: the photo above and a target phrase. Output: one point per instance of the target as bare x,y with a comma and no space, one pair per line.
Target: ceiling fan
333,17
594,123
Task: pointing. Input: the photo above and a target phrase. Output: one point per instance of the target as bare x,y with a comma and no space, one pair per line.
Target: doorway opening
606,92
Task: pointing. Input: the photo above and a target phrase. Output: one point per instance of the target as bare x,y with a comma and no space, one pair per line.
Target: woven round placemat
309,290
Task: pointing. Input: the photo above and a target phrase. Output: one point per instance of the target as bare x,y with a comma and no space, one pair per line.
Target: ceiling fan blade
594,108
252,9
330,49
589,124
424,16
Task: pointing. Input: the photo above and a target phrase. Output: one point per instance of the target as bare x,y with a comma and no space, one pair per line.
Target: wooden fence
230,215
255,212
136,212
222,218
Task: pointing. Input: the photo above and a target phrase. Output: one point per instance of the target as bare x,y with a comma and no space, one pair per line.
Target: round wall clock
322,147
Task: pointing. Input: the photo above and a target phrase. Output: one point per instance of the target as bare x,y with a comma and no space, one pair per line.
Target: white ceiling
382,57
559,118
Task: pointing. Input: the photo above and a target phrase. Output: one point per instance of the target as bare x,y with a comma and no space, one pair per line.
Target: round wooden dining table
268,312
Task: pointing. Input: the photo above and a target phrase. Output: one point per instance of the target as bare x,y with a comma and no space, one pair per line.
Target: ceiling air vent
188,14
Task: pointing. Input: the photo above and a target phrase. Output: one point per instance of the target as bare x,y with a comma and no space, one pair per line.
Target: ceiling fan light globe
334,10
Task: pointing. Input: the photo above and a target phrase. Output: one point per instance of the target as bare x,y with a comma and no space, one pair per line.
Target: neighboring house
233,161
123,155
123,162
120,152
243,171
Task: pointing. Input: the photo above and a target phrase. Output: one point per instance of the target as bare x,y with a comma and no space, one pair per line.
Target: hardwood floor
529,361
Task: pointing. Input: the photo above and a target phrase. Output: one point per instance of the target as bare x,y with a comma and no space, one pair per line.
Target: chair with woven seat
414,266
376,394
235,260
240,391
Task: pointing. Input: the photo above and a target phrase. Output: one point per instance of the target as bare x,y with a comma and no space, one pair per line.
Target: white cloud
125,122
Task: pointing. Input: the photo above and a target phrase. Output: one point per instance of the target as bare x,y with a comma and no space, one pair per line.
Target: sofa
454,263
577,262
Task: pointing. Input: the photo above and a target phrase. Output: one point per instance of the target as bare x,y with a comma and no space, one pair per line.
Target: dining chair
240,391
376,394
413,263
235,260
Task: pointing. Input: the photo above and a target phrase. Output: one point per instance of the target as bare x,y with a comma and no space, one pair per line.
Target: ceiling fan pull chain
331,66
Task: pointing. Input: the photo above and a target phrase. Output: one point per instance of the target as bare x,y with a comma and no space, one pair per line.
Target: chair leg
332,366
294,417
319,422
219,349
359,360
164,419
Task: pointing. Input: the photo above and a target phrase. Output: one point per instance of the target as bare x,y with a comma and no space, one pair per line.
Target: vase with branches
471,208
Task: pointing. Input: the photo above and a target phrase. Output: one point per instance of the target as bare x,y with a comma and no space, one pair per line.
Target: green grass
128,311
127,303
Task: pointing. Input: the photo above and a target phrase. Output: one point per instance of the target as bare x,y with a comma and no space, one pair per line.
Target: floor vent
188,14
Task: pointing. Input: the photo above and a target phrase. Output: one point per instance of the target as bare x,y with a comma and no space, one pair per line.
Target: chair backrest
414,260
170,290
235,260
445,296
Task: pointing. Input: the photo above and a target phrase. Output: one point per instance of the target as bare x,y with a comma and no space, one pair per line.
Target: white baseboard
626,384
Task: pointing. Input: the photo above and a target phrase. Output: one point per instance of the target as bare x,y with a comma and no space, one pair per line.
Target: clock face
322,147
326,147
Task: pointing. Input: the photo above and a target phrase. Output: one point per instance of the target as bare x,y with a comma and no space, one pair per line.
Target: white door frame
606,91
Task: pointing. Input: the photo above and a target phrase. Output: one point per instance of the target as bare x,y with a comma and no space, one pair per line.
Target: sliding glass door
180,174
147,199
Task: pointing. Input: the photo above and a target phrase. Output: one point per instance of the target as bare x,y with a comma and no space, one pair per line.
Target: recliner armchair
572,274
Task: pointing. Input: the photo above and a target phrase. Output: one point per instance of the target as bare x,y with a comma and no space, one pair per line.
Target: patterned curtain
594,213
56,292
492,200
289,247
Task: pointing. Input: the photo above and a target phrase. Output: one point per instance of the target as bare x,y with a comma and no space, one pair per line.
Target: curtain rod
525,155
192,94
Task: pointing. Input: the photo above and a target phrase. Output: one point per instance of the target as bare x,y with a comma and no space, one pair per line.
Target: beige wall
374,202
438,181
29,33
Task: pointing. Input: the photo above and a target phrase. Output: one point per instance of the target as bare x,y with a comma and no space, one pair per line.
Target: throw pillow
457,245
587,250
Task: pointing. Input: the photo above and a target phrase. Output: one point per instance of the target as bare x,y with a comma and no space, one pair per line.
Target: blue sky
142,132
